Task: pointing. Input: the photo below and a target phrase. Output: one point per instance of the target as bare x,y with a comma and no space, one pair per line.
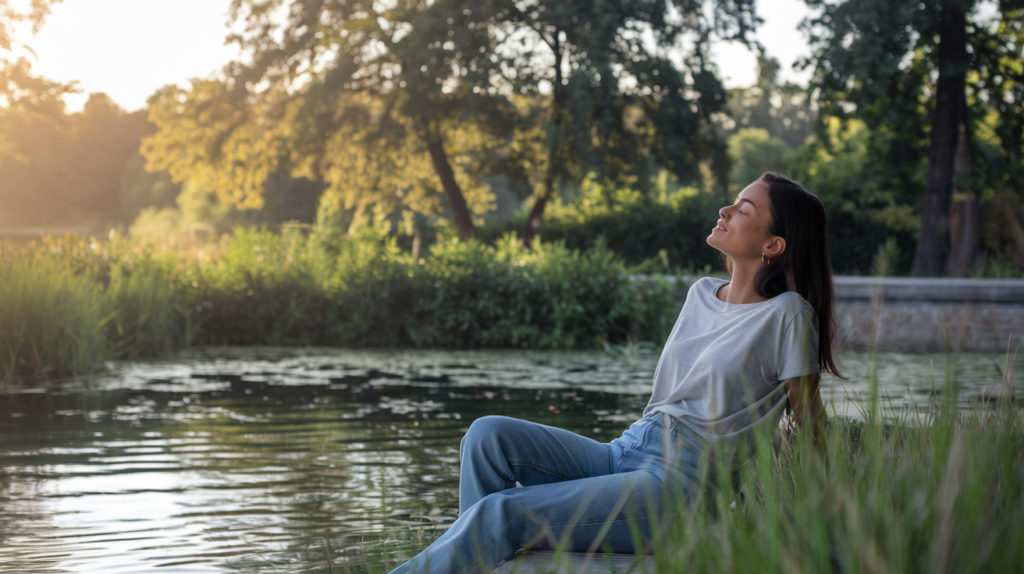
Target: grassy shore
940,495
945,496
931,489
71,303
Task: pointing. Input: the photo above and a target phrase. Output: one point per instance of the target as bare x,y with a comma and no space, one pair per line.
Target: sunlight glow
130,48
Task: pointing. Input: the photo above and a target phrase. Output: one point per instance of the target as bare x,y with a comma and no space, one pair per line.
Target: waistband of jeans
670,422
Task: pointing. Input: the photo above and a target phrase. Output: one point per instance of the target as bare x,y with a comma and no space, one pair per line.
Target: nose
722,213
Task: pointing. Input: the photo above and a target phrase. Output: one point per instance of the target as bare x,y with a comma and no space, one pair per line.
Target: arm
805,400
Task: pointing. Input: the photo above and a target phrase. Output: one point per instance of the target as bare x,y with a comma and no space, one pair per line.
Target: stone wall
924,314
929,315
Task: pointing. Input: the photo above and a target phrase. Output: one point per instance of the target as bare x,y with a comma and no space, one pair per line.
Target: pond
308,460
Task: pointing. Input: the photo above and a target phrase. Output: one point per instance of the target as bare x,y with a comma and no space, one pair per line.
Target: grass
932,489
896,496
51,319
71,303
893,497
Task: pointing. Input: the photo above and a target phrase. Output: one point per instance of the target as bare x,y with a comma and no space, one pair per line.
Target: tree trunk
457,202
964,215
357,218
933,241
537,211
547,187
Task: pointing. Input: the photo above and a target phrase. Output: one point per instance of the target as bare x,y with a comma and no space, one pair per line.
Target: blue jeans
577,494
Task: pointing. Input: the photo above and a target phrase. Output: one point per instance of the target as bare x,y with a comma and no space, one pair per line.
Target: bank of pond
72,303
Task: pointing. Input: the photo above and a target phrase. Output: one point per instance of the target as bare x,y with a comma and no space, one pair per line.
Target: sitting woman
738,353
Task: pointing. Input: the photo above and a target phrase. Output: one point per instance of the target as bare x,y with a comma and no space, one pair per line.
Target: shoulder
792,303
706,285
791,307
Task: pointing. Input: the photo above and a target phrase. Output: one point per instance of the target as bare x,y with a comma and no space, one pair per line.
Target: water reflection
261,460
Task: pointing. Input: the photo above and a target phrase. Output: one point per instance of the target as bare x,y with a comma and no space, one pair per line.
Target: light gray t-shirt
722,367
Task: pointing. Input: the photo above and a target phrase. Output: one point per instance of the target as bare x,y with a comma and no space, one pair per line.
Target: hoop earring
769,259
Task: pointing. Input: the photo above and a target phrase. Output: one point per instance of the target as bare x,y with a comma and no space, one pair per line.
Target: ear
774,246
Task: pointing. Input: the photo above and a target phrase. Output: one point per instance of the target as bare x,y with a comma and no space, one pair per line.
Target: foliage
753,151
938,495
784,109
389,105
51,319
144,315
883,63
864,210
665,224
115,299
91,148
19,89
537,298
196,216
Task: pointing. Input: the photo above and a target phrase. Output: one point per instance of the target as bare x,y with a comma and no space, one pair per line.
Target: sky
130,48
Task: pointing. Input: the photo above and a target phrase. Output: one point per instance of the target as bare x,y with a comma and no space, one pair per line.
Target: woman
739,351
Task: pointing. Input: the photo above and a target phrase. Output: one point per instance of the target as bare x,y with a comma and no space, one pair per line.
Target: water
285,460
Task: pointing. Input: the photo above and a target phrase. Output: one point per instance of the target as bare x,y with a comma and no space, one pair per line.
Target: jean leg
498,451
612,512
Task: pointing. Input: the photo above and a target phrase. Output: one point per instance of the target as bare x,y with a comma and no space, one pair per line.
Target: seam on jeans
480,555
635,445
542,469
508,533
617,520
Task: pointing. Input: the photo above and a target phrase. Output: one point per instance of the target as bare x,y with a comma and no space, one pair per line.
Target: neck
740,289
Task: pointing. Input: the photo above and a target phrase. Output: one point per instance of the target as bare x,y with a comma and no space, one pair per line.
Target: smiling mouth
719,226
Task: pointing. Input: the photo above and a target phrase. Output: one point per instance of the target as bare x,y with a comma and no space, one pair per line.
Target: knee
484,432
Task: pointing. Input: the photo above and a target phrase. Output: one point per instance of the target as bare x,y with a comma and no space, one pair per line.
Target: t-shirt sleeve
798,346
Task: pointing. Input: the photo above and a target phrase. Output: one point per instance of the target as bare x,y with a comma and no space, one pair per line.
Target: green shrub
119,300
51,318
144,317
667,221
506,296
365,291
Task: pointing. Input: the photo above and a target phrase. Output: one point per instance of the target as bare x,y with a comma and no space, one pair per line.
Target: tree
603,80
783,109
20,91
753,151
556,90
894,64
68,168
327,96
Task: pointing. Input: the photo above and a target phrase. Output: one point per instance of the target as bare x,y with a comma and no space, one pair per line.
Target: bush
74,303
51,319
365,291
145,317
668,222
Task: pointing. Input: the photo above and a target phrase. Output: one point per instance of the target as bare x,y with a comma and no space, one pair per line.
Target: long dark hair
798,216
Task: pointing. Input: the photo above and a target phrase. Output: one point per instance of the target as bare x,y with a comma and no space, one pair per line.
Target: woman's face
742,228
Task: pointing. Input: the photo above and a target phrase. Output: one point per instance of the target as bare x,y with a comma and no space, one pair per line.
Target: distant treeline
500,116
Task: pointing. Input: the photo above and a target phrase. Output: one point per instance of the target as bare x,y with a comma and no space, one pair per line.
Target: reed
73,302
51,318
894,496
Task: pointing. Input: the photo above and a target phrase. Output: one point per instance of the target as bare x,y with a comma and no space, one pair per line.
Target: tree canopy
391,104
21,91
931,80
